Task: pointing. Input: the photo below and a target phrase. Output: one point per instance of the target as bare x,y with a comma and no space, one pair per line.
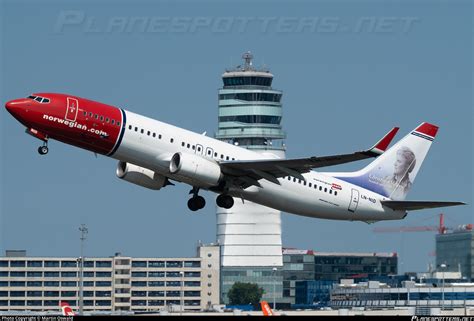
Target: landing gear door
354,200
71,109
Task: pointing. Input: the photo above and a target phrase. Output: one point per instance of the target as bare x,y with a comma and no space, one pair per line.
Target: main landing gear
196,202
225,201
43,150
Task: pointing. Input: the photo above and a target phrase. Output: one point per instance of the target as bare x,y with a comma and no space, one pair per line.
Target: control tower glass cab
250,110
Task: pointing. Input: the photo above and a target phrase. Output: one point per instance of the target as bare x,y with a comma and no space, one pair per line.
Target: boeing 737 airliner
152,153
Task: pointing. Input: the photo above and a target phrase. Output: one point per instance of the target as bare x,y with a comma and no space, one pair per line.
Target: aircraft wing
251,171
417,205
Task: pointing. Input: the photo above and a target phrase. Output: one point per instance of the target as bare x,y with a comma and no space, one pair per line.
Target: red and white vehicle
66,309
152,153
267,311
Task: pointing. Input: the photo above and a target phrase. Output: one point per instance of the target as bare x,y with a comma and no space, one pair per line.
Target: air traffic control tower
250,113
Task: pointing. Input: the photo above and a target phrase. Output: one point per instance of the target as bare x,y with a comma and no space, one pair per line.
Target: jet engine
196,169
141,176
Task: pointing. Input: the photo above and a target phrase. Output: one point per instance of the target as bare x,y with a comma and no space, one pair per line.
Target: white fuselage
330,199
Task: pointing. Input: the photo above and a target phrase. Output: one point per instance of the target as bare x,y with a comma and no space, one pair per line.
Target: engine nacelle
140,176
197,169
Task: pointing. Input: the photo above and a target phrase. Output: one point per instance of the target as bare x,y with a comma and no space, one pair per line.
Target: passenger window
315,187
96,116
335,193
159,136
294,179
325,190
289,178
107,120
118,123
199,149
304,183
227,158
90,114
171,140
194,147
330,191
208,152
136,129
309,184
222,156
85,113
101,118
188,146
142,131
148,133
215,154
113,121
154,134
320,188
233,158
182,144
130,127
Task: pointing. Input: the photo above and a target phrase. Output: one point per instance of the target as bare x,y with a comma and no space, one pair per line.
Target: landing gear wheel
192,204
43,150
225,201
196,203
200,201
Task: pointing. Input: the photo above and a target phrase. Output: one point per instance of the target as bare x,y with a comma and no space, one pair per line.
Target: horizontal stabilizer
417,205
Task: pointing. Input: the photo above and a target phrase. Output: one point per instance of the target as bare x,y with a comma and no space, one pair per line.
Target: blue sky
349,72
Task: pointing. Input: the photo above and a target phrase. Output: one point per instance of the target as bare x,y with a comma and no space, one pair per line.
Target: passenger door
354,200
72,107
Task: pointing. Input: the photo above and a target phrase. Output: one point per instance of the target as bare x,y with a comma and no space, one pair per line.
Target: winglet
381,146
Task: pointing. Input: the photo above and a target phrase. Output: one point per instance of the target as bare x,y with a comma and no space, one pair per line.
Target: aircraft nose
14,106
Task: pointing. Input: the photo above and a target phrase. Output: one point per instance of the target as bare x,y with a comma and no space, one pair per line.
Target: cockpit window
39,99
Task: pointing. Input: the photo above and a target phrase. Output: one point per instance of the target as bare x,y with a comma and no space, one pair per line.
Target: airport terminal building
374,294
118,283
325,268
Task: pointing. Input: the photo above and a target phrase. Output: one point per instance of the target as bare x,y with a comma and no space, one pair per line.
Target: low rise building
373,294
118,283
330,267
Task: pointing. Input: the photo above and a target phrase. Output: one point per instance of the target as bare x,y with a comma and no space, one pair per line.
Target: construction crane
441,228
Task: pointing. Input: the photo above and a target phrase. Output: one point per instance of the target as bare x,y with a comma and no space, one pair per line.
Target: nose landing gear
43,150
196,202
